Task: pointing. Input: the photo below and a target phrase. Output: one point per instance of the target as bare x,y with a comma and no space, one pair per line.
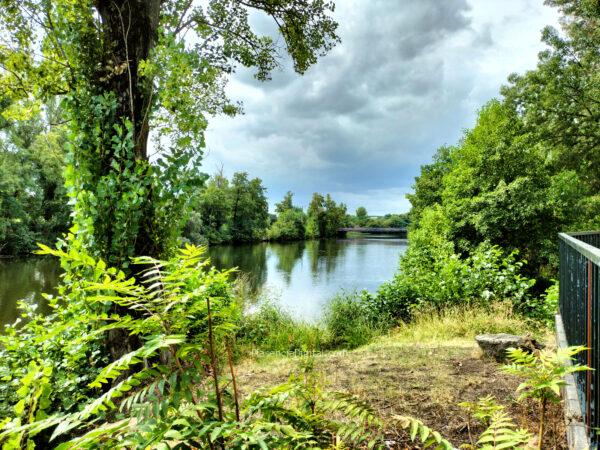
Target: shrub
351,321
440,279
545,307
289,226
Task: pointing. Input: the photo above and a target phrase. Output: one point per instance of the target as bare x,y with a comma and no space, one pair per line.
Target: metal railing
580,310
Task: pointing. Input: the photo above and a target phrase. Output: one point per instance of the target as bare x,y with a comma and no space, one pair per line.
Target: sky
408,77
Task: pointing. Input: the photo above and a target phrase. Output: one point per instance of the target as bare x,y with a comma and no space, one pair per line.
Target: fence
580,311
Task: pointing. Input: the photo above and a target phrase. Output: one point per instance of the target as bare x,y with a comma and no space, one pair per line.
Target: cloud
408,77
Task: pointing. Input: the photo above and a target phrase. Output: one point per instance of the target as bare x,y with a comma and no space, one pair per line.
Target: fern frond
428,437
502,433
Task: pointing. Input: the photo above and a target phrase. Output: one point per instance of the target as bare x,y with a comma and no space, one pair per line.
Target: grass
460,322
424,369
347,323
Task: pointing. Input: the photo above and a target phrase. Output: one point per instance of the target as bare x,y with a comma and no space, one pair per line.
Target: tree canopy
127,70
528,169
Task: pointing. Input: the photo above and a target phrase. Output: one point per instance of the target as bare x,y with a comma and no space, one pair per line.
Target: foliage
132,69
361,219
237,211
33,202
431,274
225,211
429,183
33,395
544,308
528,168
173,385
62,339
501,431
361,216
389,221
428,437
543,372
350,320
543,375
289,226
271,329
324,217
290,223
250,210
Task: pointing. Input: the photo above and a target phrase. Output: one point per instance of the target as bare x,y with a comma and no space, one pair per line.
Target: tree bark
129,32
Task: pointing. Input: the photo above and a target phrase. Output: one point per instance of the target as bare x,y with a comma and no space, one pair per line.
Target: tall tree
361,216
291,221
249,208
560,98
124,68
315,224
285,204
33,201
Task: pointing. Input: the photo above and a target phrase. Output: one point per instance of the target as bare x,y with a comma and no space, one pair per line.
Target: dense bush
289,226
350,321
431,274
543,308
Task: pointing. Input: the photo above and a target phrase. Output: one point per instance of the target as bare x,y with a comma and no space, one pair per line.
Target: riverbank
422,369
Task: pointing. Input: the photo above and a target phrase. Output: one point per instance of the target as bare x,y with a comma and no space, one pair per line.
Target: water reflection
250,259
305,275
25,279
287,255
302,275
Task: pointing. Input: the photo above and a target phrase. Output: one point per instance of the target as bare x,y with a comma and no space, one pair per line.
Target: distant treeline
34,205
237,210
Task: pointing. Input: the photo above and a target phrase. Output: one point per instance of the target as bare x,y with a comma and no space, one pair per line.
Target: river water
301,276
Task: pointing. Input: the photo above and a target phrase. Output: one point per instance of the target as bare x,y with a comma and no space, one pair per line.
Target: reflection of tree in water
26,279
324,255
250,259
288,254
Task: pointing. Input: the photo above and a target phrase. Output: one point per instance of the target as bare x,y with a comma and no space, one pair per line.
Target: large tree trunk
130,32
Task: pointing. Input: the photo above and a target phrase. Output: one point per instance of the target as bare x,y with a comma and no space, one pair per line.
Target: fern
170,391
503,434
428,437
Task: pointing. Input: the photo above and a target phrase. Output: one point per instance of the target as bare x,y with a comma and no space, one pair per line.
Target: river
301,276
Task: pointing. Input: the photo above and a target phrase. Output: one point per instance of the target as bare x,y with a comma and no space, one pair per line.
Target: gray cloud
407,78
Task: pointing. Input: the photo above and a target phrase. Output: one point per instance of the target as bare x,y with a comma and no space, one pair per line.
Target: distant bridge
400,231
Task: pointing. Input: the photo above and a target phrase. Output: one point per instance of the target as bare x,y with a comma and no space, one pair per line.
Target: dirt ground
426,381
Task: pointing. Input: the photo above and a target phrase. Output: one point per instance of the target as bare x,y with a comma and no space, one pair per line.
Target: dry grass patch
426,380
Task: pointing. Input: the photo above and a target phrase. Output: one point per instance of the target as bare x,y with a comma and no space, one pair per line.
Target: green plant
501,432
178,386
428,437
543,373
350,320
432,275
33,402
544,307
272,329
